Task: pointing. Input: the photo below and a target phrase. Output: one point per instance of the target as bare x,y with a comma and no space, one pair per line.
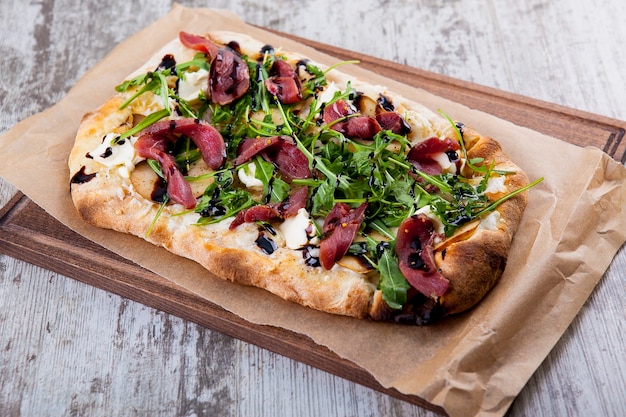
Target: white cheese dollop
442,159
496,185
294,229
247,175
120,154
194,82
421,127
328,93
490,222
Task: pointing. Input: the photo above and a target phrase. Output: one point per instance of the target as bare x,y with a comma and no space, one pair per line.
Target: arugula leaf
156,217
145,122
323,198
393,284
156,83
314,84
156,167
274,189
184,108
221,200
344,170
199,61
259,94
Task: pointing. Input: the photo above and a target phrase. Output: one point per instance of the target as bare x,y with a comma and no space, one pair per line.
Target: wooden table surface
70,349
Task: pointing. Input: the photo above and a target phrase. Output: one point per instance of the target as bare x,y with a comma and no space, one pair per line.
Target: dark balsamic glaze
270,189
320,119
159,192
270,229
214,208
372,179
381,247
385,103
453,156
267,245
309,259
303,64
461,127
266,49
168,61
359,251
460,220
81,177
416,262
107,152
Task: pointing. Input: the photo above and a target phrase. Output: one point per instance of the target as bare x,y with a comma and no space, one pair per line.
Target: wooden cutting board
28,233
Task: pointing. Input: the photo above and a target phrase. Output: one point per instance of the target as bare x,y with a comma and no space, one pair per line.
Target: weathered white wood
70,349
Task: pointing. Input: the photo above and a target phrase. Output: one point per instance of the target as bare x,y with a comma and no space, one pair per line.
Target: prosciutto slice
267,212
284,83
390,120
339,230
155,146
206,137
282,151
414,247
229,76
155,140
362,127
422,154
198,43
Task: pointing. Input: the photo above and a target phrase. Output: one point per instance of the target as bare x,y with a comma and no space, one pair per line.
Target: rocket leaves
345,170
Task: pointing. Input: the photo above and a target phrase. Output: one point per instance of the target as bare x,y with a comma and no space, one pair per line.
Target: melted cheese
421,127
328,93
491,221
446,165
247,175
194,82
294,229
121,154
496,185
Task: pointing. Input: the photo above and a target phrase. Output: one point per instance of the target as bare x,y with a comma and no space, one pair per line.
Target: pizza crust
472,264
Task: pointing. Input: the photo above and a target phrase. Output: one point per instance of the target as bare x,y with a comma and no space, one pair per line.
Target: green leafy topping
156,217
345,170
275,189
222,199
392,284
156,82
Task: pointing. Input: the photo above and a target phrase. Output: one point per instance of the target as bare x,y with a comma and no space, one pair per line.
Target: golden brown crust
473,264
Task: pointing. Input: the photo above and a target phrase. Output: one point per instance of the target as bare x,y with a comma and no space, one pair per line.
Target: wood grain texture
70,349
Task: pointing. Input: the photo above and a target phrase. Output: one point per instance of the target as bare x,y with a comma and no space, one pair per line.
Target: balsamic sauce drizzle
267,245
81,177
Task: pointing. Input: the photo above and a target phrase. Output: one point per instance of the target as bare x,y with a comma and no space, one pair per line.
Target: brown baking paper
475,363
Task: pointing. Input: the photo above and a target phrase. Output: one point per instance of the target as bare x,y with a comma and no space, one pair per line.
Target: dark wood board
28,233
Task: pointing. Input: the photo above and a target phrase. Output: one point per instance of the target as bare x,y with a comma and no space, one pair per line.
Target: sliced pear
196,170
355,264
145,181
367,106
148,184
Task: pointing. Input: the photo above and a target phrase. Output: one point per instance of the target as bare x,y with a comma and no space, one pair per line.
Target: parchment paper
472,364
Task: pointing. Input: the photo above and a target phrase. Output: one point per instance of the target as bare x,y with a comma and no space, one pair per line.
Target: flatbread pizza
275,171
